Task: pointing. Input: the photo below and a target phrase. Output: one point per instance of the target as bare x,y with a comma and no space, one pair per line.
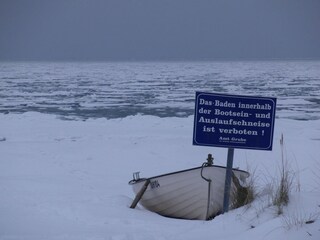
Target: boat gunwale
133,181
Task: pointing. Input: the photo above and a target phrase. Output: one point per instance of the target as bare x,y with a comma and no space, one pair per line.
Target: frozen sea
166,89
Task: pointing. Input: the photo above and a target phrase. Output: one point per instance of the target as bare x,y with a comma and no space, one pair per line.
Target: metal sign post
233,121
227,186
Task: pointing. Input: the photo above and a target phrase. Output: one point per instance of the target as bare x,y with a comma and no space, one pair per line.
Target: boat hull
195,193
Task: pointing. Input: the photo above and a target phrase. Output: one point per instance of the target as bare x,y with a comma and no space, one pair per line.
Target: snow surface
68,180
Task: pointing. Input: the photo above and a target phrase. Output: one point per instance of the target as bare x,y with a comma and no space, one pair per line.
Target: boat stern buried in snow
195,193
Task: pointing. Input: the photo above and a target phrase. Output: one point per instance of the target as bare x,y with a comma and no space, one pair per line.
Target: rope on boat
206,164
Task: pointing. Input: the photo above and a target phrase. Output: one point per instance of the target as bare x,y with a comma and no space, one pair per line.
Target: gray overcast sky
159,29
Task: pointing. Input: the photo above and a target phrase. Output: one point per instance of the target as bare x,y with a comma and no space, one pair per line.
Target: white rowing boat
195,193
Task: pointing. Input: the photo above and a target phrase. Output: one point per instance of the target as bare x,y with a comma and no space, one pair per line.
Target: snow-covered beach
72,134
68,179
